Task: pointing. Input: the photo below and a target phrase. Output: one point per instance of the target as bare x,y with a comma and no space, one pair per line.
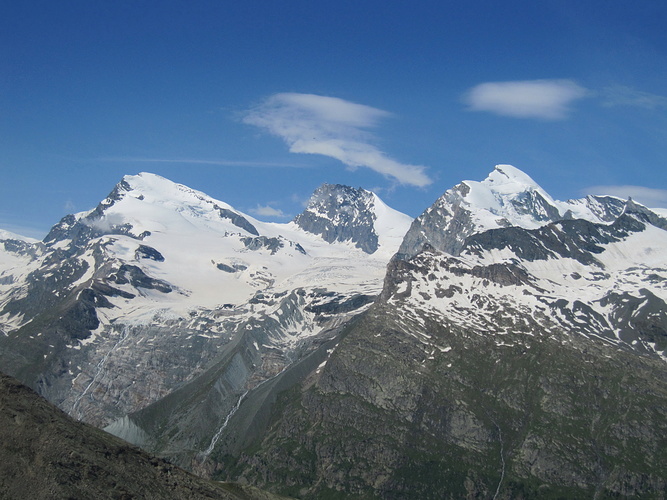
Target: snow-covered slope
19,256
490,254
209,254
122,303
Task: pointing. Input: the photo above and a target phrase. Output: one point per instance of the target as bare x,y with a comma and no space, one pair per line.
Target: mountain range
502,345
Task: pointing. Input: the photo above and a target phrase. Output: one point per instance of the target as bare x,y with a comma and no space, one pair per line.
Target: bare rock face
341,213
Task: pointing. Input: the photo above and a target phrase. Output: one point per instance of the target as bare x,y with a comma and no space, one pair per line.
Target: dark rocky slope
514,357
46,454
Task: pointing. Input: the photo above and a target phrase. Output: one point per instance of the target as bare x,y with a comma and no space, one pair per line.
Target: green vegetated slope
408,407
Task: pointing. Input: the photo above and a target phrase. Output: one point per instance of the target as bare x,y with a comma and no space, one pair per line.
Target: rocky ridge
341,213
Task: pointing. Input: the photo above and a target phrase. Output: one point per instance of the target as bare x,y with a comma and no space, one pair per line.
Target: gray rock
341,213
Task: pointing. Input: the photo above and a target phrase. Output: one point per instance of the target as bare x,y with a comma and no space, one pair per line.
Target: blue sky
259,102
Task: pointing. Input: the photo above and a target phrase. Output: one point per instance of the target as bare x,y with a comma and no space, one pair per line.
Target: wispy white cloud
650,197
542,99
195,161
619,95
69,206
333,127
268,211
300,199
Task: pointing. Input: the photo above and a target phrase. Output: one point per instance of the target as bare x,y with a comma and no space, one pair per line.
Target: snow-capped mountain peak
151,235
602,250
159,269
150,202
509,179
8,235
161,191
506,198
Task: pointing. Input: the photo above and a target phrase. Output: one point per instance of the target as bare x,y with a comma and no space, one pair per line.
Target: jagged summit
342,213
507,197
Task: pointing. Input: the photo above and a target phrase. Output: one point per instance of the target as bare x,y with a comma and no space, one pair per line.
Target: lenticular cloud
331,127
545,99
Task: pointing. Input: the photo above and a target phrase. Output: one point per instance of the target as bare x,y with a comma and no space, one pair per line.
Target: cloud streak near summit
333,127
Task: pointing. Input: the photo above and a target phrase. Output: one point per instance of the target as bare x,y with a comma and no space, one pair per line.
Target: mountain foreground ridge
46,454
